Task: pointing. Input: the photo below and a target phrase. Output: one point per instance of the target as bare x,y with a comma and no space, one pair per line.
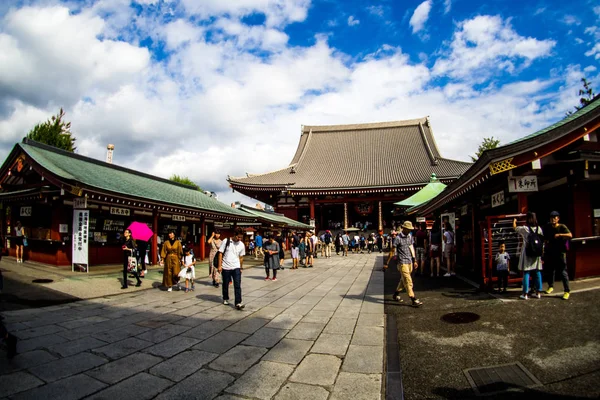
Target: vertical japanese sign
498,199
81,221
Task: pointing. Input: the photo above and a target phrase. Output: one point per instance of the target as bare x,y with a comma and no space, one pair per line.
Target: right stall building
554,169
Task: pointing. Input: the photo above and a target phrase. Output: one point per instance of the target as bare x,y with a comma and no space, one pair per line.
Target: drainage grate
460,317
42,281
500,378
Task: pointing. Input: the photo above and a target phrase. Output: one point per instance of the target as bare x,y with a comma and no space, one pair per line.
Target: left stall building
73,209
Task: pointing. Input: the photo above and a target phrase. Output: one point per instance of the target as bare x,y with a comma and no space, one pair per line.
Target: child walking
503,267
188,272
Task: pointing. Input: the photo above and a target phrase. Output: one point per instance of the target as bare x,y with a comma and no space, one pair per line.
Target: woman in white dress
188,272
530,264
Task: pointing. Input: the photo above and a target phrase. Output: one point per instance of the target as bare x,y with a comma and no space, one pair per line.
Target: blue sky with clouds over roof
207,88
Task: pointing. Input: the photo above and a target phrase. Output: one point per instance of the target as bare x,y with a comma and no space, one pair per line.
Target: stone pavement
314,334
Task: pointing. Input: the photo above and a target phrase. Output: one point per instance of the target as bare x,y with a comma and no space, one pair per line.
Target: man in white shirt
231,264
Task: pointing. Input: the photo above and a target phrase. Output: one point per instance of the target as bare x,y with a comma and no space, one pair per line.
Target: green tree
487,144
185,180
54,132
587,95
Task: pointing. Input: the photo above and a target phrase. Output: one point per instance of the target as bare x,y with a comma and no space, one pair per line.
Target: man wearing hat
406,262
555,253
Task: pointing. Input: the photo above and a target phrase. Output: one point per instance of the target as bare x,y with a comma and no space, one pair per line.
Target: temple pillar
522,201
154,249
380,218
345,216
202,238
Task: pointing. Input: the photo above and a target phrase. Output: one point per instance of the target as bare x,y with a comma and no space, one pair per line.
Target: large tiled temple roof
386,154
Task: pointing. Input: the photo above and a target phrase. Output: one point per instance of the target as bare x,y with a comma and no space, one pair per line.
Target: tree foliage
586,93
54,132
185,180
486,144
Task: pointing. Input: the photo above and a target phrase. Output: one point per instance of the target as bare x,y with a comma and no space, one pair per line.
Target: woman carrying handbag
129,260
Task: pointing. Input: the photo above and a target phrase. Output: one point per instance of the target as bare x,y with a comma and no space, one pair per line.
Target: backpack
534,247
216,259
327,238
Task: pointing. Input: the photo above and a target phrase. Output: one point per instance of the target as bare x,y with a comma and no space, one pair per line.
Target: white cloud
181,32
230,97
67,49
594,51
352,21
447,6
376,10
590,68
539,11
277,12
420,16
485,45
571,20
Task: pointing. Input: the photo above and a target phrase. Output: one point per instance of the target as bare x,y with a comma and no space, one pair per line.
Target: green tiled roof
275,218
107,177
590,107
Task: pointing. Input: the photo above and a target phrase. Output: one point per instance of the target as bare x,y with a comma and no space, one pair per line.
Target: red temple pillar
202,238
153,250
522,200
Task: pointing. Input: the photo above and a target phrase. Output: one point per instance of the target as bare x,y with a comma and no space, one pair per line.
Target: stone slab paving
314,334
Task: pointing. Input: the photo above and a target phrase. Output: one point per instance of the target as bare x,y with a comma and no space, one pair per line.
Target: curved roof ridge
368,125
306,143
452,160
428,149
248,175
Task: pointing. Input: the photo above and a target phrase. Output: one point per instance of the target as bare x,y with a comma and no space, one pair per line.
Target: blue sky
210,88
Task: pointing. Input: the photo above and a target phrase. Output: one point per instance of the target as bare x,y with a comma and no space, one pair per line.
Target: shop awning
431,190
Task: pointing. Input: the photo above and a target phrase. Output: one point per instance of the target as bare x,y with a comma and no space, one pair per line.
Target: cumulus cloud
485,45
230,97
420,16
353,21
68,50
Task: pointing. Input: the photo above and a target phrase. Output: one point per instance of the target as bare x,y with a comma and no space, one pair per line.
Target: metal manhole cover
42,281
500,378
460,317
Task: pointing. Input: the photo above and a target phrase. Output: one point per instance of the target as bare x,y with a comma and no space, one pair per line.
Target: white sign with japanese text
119,211
498,199
81,221
25,212
179,218
519,184
421,219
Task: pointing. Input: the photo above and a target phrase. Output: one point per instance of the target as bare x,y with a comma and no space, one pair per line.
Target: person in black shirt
128,251
555,253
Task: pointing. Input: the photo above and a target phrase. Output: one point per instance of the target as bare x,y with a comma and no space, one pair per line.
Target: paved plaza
314,334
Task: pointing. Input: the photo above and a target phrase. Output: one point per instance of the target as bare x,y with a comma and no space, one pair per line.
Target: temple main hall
345,176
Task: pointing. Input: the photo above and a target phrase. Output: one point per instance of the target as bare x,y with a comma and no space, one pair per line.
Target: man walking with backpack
555,253
530,260
231,264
